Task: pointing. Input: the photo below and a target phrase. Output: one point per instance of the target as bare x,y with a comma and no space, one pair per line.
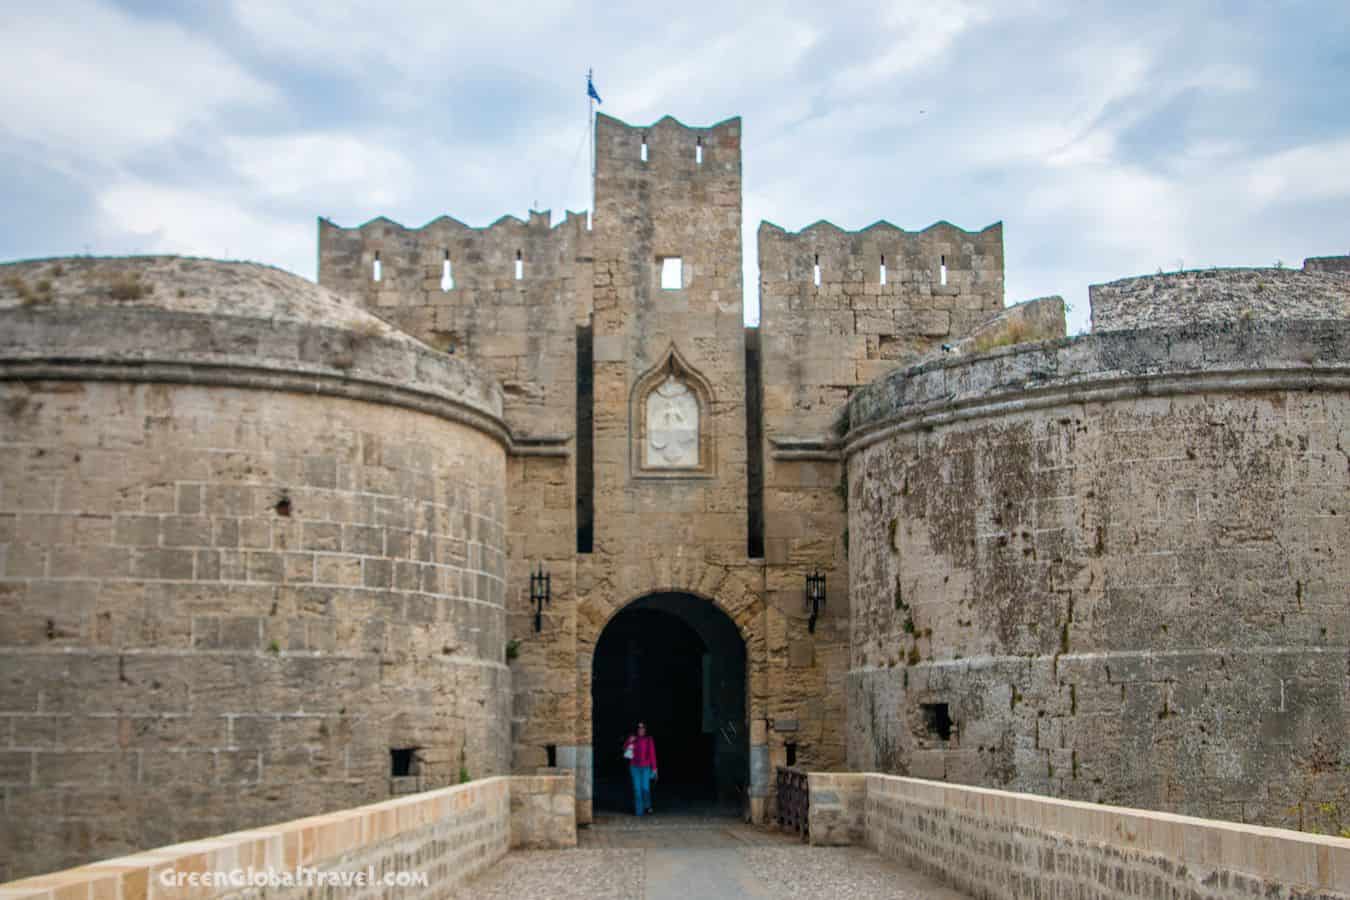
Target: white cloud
322,164
421,39
204,223
1319,171
914,35
84,80
1092,136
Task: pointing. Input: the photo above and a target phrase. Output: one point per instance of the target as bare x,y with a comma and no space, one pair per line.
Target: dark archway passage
676,662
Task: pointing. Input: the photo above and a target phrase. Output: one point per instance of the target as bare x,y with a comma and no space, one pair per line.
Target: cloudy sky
1110,141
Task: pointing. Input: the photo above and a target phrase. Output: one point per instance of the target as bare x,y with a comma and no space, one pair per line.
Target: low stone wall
1000,844
837,809
447,836
1173,299
543,811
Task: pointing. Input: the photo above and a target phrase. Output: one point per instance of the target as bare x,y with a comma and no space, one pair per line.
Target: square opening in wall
672,273
937,718
402,761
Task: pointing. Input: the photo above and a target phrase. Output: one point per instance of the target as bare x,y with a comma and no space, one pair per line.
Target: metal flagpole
590,126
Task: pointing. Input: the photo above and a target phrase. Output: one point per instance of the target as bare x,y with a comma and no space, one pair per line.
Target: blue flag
591,91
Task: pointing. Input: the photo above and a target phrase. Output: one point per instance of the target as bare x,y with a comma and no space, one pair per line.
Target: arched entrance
676,662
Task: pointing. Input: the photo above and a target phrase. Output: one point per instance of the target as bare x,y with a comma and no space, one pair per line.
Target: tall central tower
669,343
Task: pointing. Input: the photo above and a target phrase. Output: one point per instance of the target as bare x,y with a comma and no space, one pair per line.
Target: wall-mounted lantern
815,598
541,591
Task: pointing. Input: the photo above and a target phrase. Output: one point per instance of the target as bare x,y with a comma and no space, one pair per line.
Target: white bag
628,752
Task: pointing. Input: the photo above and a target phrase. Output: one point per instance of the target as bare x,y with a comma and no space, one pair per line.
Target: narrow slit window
672,273
585,455
551,753
791,748
402,761
883,268
698,152
937,719
942,271
375,269
447,274
816,273
520,266
644,148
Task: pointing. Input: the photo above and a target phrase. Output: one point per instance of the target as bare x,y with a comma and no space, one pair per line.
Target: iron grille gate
794,802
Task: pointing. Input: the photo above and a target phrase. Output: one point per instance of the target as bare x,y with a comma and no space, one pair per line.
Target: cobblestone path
673,858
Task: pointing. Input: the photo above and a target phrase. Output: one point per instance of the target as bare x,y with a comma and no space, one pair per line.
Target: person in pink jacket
640,751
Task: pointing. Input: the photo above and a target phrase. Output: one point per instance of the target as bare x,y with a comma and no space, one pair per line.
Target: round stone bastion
1111,568
252,545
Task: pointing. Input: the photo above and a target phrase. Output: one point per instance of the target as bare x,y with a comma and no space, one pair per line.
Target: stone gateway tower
633,390
676,473
269,548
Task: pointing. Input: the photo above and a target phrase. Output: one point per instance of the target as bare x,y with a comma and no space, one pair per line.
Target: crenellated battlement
670,147
838,307
412,266
508,296
938,256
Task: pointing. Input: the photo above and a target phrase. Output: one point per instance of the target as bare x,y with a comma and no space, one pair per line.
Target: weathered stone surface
424,845
160,643
1320,291
1117,563
998,844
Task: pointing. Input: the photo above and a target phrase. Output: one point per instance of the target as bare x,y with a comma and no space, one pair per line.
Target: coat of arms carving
672,426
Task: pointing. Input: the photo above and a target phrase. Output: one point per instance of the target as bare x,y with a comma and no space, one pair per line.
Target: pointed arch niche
670,420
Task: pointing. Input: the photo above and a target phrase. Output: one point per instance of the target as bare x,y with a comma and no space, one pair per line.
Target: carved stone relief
672,426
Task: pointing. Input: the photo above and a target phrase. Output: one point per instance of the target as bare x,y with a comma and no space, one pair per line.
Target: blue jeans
642,787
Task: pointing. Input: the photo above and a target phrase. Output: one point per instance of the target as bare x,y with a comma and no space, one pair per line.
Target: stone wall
821,341
521,331
1041,319
524,332
818,343
837,808
658,530
992,843
1336,265
1320,291
242,558
1111,568
445,836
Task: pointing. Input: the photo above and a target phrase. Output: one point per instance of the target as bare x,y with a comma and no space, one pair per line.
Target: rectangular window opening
754,440
447,274
937,718
672,273
375,269
791,753
816,274
402,761
698,152
585,441
644,148
883,269
520,266
552,751
942,272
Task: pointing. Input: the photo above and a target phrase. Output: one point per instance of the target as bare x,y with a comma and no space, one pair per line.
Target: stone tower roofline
194,321
825,225
669,121
665,148
537,218
1234,357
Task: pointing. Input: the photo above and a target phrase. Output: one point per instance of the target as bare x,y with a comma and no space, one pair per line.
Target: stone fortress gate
266,547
